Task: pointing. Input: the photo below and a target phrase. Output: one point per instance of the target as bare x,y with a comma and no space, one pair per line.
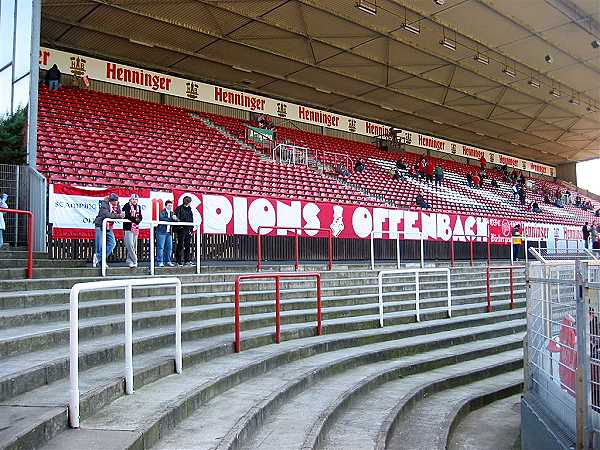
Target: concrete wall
567,172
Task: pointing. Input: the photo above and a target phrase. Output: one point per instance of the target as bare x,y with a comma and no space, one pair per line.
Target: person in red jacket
422,167
482,162
567,347
429,171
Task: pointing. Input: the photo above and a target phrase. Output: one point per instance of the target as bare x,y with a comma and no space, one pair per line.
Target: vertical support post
582,390
471,250
103,248
296,250
487,285
489,249
178,350
198,236
29,273
152,248
372,253
452,251
258,252
380,286
417,294
526,250
398,250
330,243
128,342
17,204
319,318
449,286
510,282
237,316
512,256
74,357
277,311
422,252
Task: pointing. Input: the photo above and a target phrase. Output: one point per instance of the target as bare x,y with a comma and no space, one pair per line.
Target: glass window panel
7,24
21,93
5,90
23,38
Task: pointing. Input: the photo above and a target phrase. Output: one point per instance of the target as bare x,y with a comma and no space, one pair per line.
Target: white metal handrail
397,234
153,224
74,332
417,291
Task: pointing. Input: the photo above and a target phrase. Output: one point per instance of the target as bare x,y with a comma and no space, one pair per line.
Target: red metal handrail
487,282
296,245
277,277
471,239
29,214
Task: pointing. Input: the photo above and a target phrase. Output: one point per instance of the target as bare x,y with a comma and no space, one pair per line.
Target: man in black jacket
109,208
184,233
133,213
53,78
586,235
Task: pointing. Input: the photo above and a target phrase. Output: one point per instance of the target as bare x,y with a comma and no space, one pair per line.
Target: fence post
74,357
258,252
417,293
582,391
372,253
452,251
319,325
489,249
237,315
398,250
296,250
471,250
487,283
178,350
422,252
277,311
128,342
152,249
330,243
512,296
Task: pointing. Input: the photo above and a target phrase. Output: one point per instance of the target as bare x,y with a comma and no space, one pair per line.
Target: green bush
12,143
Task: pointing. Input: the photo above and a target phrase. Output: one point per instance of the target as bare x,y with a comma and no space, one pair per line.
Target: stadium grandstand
298,224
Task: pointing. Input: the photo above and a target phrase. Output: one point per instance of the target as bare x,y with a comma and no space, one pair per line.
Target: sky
588,175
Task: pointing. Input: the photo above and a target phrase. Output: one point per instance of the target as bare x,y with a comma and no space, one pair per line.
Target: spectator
516,241
470,180
547,200
397,174
400,164
558,203
430,170
598,212
53,78
482,162
109,209
422,167
439,175
412,171
515,191
522,195
514,175
505,171
3,204
341,169
567,197
482,176
594,235
476,181
133,213
586,234
494,183
359,166
578,201
522,179
184,233
536,208
420,201
164,238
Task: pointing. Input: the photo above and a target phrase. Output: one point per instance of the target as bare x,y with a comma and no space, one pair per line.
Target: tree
12,143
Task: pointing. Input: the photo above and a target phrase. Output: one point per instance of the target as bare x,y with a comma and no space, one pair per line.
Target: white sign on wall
116,73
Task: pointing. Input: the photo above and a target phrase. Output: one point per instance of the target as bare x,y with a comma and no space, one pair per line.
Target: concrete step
156,408
294,397
291,298
474,430
12,263
224,289
24,339
421,427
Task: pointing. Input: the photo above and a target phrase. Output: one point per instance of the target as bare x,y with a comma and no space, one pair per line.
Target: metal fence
563,346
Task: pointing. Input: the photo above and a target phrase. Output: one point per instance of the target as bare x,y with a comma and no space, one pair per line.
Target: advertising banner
116,73
73,209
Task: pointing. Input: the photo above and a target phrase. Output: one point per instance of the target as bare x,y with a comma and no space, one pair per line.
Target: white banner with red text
73,209
116,73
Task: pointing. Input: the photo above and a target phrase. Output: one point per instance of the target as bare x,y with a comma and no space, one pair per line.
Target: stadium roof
488,85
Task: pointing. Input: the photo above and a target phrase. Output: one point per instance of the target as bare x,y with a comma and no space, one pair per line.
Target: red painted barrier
277,277
29,214
296,244
510,278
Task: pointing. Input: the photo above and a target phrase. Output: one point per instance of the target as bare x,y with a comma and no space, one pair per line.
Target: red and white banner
73,209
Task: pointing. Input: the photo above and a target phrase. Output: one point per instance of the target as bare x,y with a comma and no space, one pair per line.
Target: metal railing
30,237
397,234
296,244
510,283
416,272
74,332
277,277
154,224
471,239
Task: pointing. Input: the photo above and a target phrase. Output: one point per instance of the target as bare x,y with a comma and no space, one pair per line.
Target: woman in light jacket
3,204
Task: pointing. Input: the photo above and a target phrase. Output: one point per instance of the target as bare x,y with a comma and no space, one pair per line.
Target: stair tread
420,428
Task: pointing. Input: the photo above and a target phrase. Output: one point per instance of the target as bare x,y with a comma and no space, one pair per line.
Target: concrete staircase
307,392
